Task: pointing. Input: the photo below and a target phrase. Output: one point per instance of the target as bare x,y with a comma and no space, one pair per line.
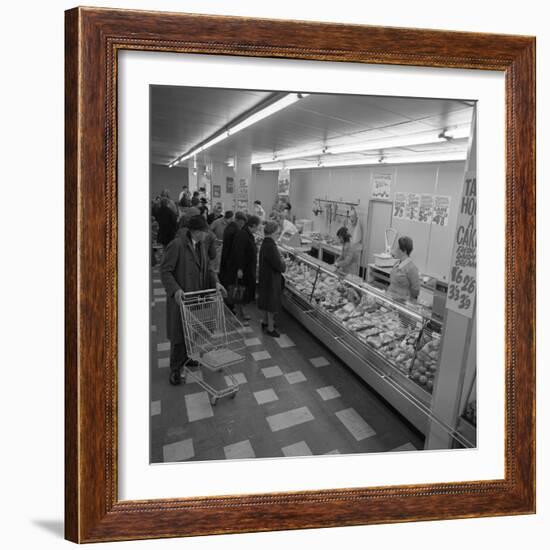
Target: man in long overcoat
185,267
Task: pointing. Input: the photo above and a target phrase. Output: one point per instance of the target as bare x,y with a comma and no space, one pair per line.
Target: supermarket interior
313,274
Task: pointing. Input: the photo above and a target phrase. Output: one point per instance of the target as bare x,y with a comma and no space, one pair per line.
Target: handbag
236,293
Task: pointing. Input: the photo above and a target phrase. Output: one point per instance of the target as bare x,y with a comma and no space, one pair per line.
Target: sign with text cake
461,295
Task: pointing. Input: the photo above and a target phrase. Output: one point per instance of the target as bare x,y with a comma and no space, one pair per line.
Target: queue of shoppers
201,256
223,254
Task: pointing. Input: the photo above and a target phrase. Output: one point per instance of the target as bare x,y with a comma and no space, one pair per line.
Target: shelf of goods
392,346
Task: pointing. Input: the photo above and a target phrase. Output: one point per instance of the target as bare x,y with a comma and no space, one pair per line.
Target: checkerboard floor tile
265,396
297,449
272,372
319,362
260,355
242,449
328,392
180,450
295,377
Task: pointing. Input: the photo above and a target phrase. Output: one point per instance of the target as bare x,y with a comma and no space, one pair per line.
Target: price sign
461,294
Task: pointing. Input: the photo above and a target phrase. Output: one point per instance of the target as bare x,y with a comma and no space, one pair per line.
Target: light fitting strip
411,159
269,110
424,138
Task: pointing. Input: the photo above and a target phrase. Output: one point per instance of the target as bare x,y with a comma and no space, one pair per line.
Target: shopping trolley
215,340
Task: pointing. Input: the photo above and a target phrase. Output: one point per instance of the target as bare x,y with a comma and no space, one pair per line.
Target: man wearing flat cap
186,267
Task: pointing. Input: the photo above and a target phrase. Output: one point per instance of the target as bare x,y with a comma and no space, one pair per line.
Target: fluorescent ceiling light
424,138
409,159
271,109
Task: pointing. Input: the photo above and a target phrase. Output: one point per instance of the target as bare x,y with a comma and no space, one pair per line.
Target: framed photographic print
361,349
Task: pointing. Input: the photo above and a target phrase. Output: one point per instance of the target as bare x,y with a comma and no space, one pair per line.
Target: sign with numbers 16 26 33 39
461,294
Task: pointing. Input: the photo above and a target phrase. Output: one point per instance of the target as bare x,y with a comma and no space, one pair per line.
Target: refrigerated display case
467,422
394,347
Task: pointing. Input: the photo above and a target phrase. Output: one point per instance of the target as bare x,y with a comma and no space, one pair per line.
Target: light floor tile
159,299
192,378
405,447
271,372
297,449
198,406
163,346
333,452
246,330
159,292
284,341
164,362
242,449
295,377
288,419
319,362
239,377
265,396
261,355
180,450
157,281
153,328
328,392
252,342
355,424
155,408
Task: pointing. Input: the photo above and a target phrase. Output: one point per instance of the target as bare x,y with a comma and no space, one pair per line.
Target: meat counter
393,347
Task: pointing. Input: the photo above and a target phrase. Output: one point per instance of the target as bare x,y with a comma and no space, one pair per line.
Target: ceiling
182,117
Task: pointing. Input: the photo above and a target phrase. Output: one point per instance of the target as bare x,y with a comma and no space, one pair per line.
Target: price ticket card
461,294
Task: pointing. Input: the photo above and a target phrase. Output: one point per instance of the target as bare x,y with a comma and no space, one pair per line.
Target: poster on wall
229,188
381,186
426,208
399,201
462,287
412,207
242,195
216,191
284,182
243,189
442,207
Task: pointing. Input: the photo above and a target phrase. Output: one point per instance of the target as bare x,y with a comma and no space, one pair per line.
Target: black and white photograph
312,274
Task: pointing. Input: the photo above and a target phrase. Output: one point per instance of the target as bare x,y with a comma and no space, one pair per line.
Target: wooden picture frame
93,511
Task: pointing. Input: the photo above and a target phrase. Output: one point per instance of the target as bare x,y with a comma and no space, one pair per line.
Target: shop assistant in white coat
404,277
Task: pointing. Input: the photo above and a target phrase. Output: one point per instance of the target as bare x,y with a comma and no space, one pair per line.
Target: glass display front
402,336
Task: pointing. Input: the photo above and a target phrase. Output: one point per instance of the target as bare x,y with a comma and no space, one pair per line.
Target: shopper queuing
229,234
186,267
270,278
241,265
167,221
259,210
217,212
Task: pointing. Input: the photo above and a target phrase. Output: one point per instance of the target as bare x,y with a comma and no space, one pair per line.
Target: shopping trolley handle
198,293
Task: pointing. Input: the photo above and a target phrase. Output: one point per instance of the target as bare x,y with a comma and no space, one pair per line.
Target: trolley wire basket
215,341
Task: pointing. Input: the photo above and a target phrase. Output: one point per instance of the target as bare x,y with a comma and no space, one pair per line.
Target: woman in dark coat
242,262
168,222
270,280
228,237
